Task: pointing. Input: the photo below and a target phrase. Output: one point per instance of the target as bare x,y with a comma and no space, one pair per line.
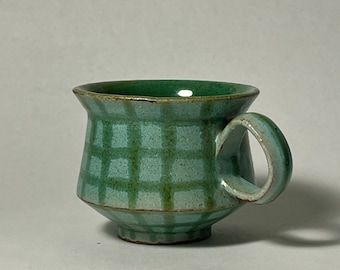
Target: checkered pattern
157,159
161,165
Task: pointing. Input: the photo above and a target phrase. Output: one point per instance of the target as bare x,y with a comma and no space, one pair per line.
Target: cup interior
169,88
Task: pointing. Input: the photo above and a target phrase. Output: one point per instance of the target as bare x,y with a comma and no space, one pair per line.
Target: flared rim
243,91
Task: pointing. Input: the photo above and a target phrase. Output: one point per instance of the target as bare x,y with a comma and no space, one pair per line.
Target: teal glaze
165,167
275,148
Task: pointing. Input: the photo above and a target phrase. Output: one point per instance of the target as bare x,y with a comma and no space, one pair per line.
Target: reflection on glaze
185,93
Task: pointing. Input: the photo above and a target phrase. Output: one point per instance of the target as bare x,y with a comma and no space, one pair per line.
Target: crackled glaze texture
149,161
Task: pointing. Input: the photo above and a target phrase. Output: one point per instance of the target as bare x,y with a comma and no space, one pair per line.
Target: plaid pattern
148,165
160,160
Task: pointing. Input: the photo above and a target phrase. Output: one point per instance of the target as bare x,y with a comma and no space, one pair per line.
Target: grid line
124,152
121,184
89,151
134,142
209,152
168,157
107,134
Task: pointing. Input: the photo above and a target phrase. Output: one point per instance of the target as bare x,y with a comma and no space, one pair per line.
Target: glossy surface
149,162
168,89
276,150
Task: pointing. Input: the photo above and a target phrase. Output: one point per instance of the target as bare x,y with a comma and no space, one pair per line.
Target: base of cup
155,238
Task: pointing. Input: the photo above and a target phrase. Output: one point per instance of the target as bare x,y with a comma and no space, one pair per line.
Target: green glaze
165,167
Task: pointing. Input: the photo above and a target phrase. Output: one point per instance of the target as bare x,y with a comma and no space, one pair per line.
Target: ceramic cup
166,159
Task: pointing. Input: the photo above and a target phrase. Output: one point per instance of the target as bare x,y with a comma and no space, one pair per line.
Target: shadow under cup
150,159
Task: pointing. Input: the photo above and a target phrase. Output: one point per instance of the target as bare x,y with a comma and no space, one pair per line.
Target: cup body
150,165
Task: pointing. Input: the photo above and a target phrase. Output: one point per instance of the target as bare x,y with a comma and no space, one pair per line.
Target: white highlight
185,93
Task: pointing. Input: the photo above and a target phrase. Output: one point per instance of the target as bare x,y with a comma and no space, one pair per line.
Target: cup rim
247,91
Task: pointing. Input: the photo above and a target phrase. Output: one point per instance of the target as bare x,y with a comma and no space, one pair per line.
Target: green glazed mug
166,159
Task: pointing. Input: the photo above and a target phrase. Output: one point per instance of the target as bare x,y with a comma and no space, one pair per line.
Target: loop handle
276,150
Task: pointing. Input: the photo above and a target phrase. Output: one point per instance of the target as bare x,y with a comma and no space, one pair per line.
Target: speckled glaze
166,167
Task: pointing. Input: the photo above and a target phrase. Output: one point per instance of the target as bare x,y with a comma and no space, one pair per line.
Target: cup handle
276,150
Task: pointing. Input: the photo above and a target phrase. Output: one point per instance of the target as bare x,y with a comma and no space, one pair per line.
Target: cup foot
156,238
